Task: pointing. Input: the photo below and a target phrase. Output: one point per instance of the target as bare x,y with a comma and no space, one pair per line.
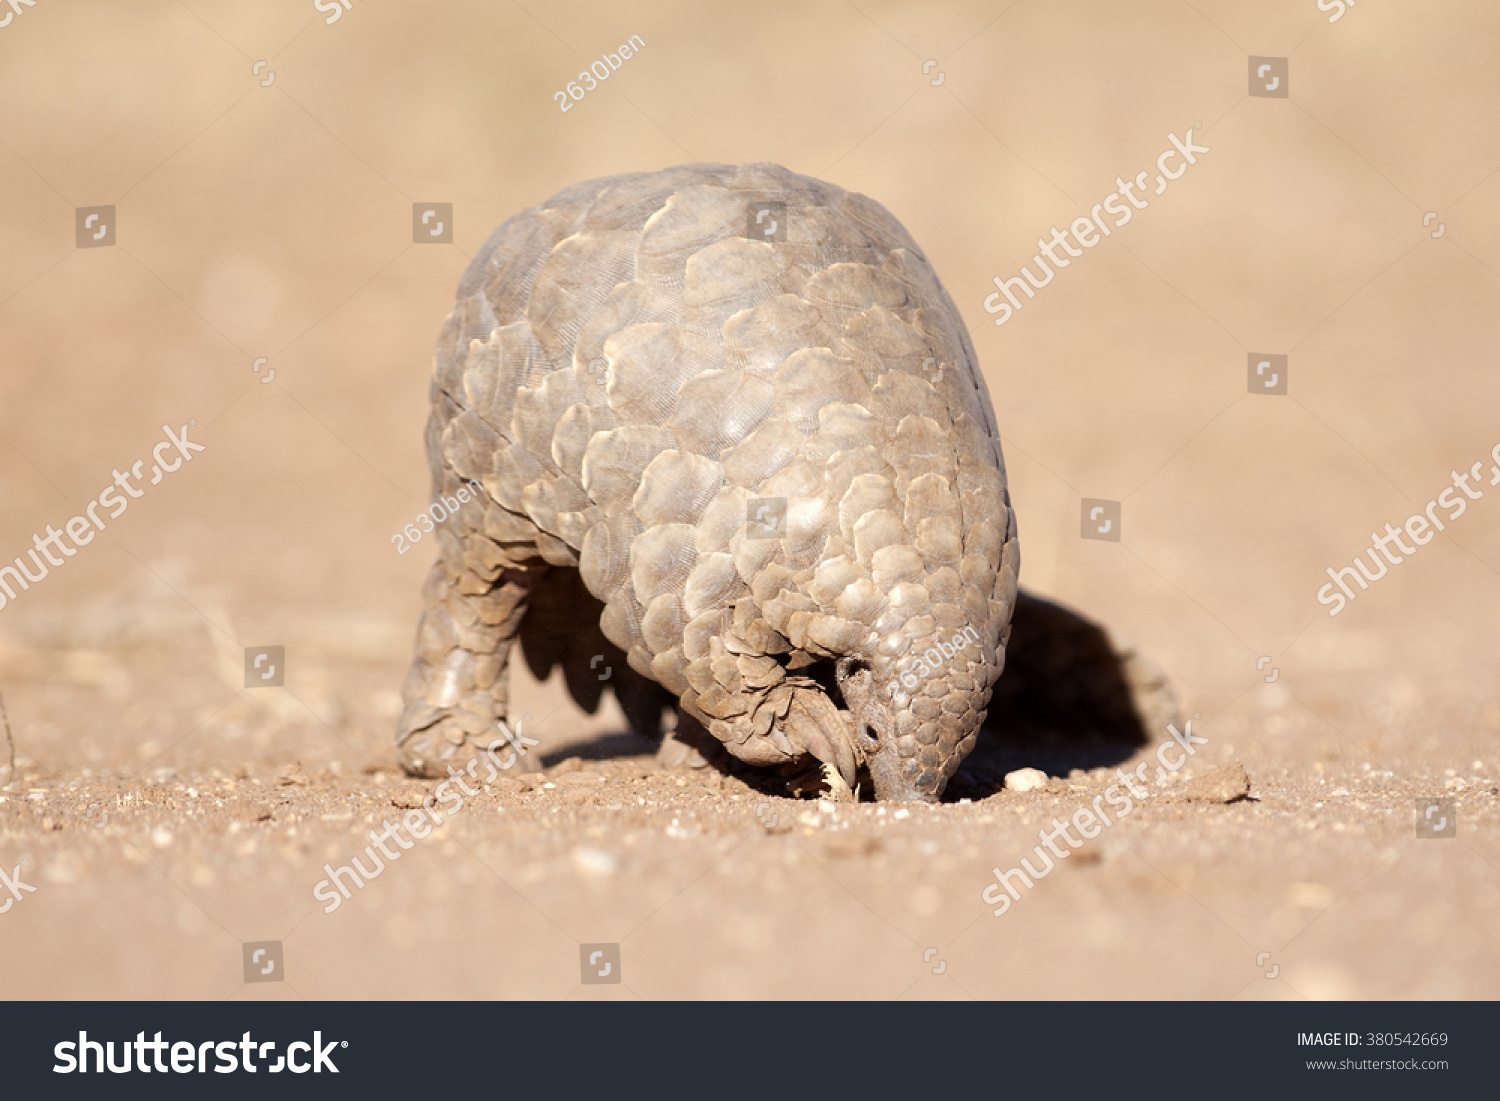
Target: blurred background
264,211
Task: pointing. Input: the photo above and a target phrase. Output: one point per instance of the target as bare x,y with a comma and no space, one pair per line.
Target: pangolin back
633,363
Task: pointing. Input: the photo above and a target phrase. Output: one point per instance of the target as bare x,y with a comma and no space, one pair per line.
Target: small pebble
1224,784
408,795
1026,779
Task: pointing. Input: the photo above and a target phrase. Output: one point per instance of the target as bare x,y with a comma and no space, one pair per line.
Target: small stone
1026,779
408,796
163,775
510,786
161,837
562,768
1224,784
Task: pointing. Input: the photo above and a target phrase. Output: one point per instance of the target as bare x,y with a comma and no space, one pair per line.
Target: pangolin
738,402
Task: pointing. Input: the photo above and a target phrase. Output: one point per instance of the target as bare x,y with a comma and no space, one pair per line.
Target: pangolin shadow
1066,700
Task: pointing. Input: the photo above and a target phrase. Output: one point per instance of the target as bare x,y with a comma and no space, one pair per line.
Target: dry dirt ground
155,860
166,815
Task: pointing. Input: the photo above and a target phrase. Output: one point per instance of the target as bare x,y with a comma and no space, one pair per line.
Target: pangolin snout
920,773
895,779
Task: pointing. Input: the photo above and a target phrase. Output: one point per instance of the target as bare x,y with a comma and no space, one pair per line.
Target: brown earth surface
166,815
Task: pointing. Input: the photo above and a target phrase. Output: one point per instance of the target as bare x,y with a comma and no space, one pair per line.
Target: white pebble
1026,779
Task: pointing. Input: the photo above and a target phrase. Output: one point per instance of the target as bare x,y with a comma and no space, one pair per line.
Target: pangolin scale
628,369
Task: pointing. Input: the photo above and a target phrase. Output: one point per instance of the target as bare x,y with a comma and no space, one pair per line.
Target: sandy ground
167,816
159,848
